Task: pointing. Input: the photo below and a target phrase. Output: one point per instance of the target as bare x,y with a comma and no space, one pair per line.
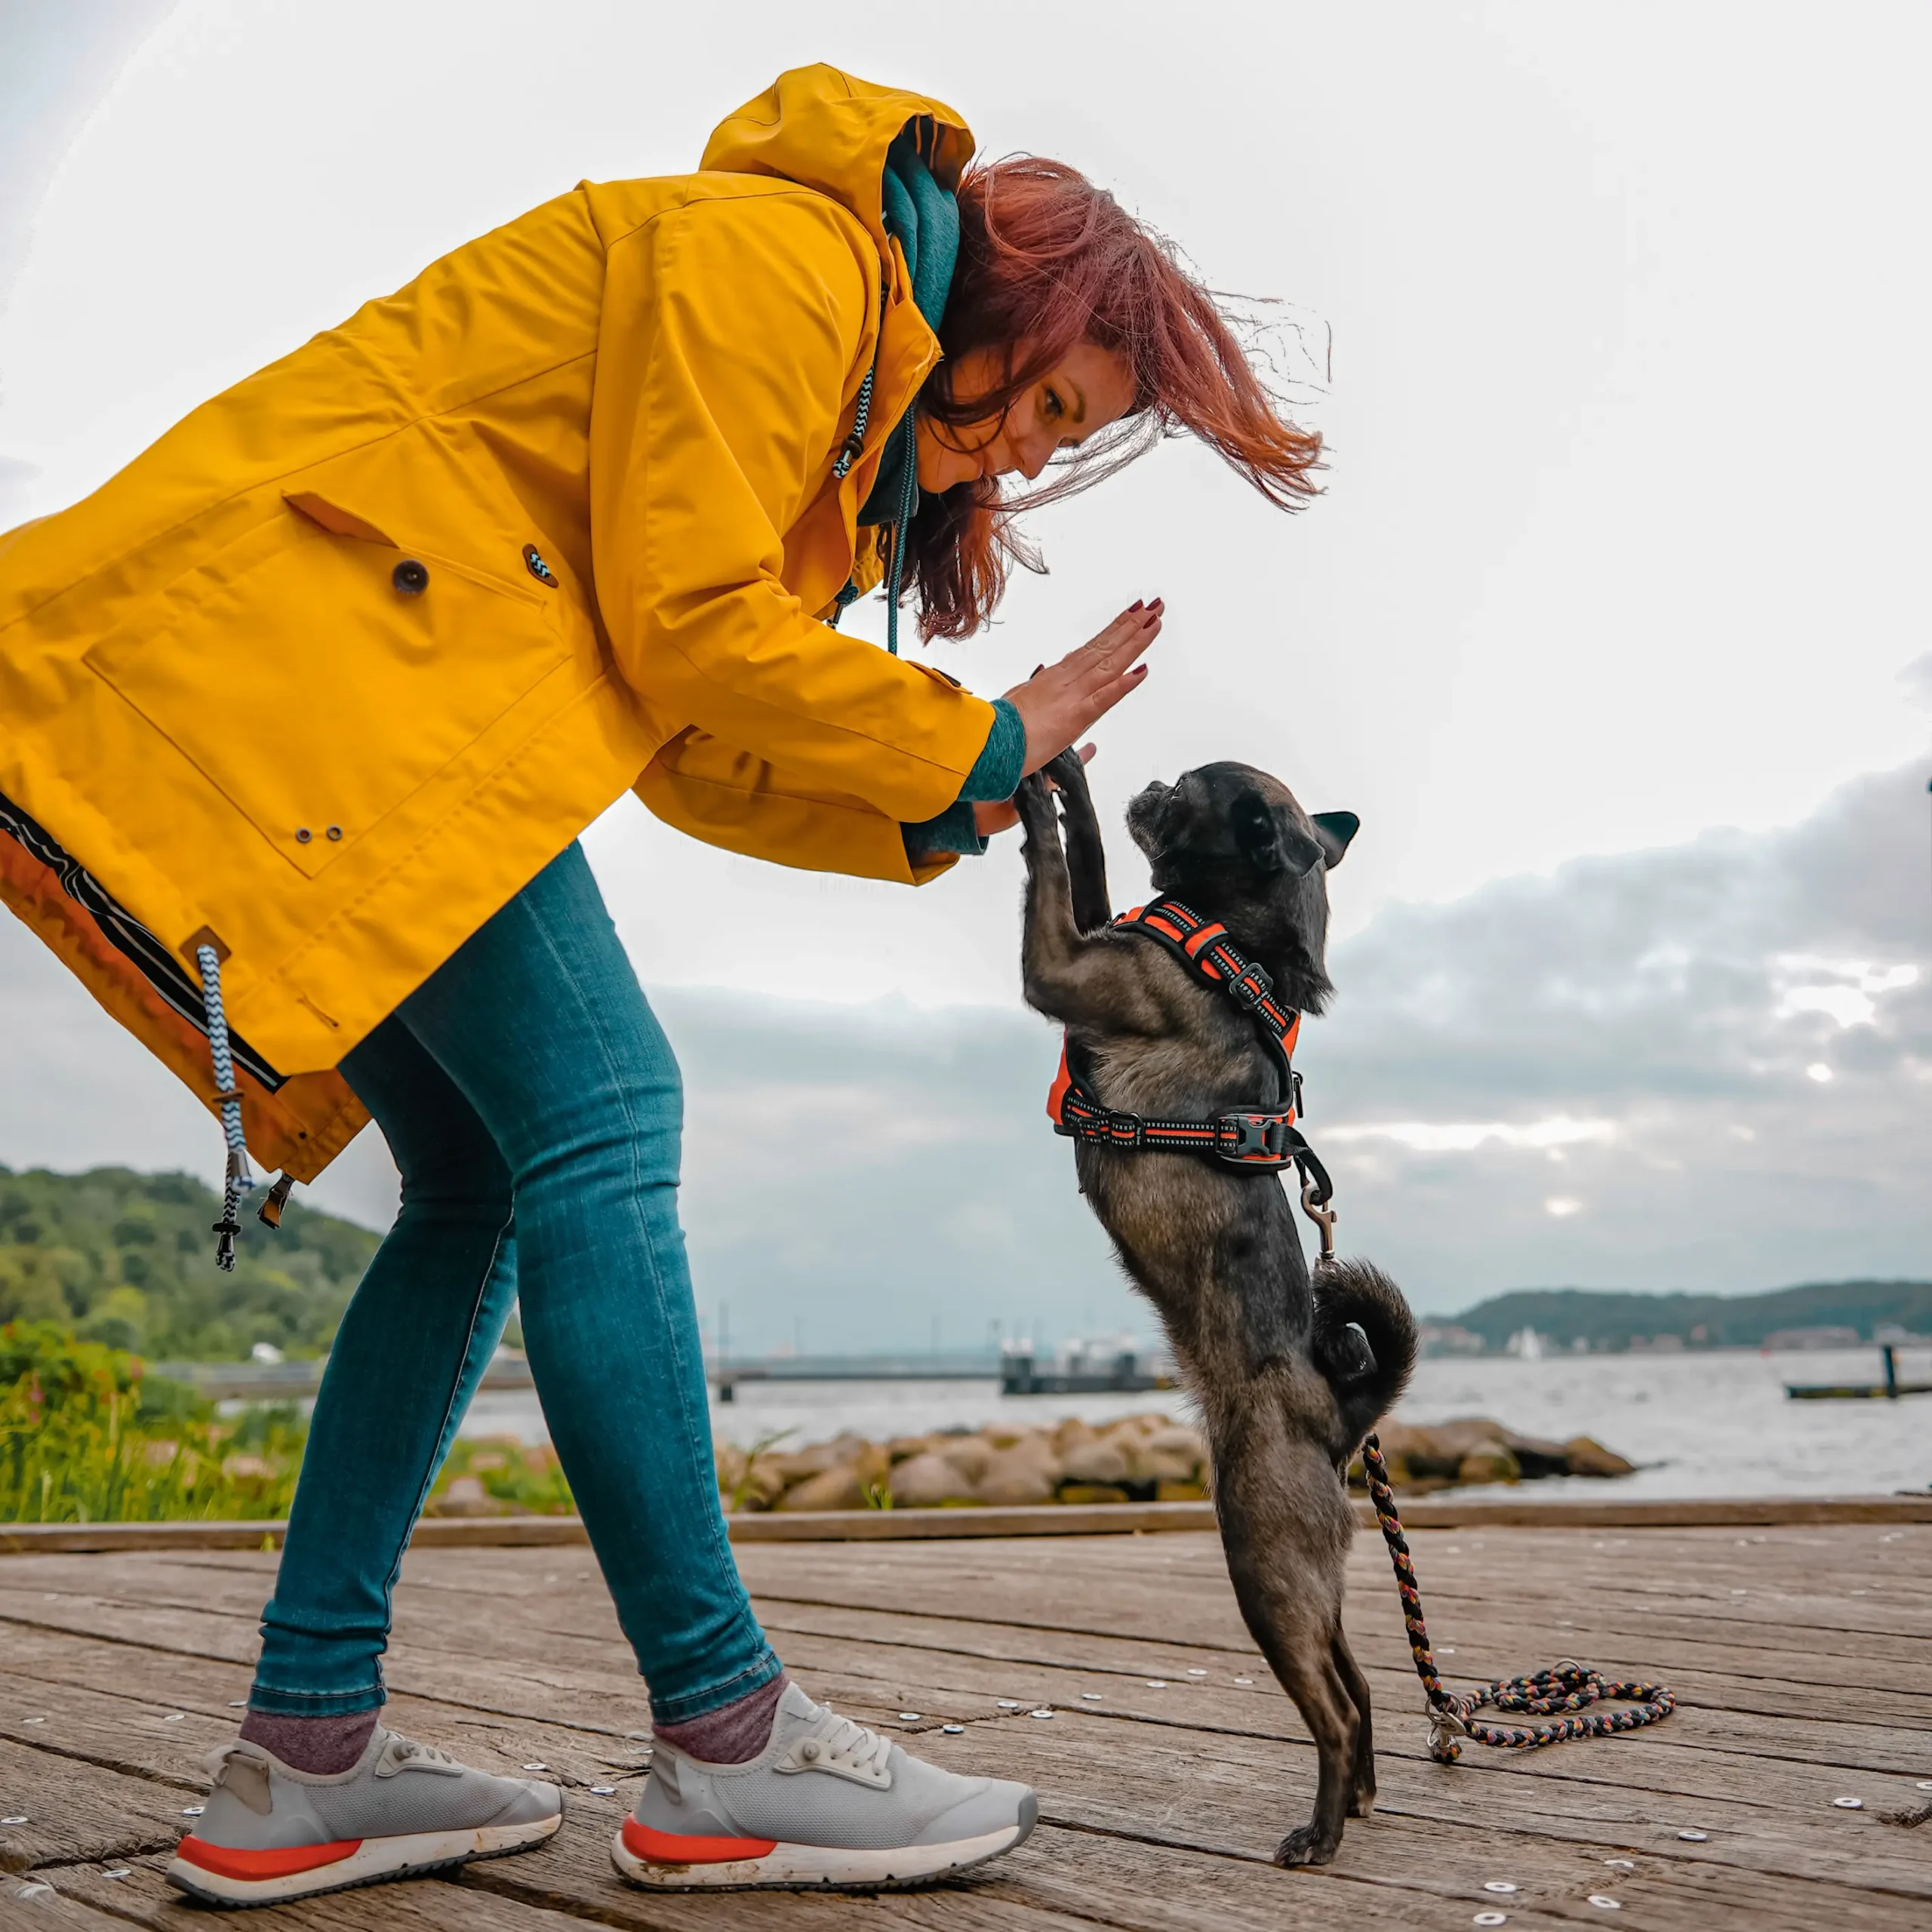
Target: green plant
526,1476
86,1437
742,1488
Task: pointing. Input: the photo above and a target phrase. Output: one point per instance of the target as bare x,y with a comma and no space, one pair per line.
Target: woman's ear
1335,829
1268,837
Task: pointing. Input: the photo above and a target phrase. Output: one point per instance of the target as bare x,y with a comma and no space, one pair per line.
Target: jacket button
304,835
411,578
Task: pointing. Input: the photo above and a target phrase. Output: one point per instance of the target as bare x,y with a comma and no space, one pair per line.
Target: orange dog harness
1263,1138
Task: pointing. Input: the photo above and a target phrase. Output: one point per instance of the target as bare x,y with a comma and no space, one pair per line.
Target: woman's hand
1003,815
1061,702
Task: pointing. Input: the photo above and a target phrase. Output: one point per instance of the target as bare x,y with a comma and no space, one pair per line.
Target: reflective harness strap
1265,1139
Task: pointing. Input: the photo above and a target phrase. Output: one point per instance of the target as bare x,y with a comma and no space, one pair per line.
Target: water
1716,1423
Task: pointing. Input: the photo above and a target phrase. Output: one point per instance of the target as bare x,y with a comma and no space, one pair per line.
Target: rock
1096,1460
1537,1457
1589,1458
1180,1492
816,1458
969,1455
1028,1472
759,1487
1490,1461
465,1497
841,1488
1167,1455
1071,1435
1006,1435
928,1481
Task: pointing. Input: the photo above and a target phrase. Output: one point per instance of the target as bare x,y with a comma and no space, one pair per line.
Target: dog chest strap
1264,1138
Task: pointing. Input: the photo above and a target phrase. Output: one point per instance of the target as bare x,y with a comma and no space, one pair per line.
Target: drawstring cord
908,495
238,1180
849,453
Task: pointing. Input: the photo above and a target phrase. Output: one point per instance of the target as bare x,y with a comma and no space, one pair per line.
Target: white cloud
1465,1137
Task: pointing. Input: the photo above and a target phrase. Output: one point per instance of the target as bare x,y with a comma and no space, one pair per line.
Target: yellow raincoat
343,661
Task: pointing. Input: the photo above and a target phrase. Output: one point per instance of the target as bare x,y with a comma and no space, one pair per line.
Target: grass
85,1437
88,1436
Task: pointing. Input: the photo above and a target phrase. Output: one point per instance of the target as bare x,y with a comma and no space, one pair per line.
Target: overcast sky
1618,580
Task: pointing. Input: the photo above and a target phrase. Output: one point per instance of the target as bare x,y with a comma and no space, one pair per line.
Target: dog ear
1268,837
1335,829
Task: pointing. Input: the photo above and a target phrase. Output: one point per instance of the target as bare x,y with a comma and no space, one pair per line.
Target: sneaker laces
838,1743
403,1750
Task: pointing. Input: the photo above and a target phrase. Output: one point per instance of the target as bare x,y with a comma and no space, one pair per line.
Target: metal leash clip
1444,1728
1322,1214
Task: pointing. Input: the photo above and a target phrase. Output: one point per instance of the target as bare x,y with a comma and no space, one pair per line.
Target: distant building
1813,1338
1445,1338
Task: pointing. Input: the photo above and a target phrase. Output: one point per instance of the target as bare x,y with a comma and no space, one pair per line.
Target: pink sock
733,1734
320,1746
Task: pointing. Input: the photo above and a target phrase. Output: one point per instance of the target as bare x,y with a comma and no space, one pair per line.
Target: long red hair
1047,258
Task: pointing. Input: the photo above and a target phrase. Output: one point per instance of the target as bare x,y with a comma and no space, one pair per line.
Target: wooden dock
1801,1656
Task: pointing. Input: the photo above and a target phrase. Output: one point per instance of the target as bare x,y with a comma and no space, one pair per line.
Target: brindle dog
1290,1374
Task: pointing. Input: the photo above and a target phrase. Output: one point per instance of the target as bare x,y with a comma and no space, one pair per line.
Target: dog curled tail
1364,1341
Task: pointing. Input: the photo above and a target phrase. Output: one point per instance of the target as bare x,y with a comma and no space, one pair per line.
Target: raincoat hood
830,132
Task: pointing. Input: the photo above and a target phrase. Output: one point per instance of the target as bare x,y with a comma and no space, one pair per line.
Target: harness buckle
1256,1136
1251,985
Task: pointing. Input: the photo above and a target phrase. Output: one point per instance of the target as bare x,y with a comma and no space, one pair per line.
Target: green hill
128,1259
1609,1319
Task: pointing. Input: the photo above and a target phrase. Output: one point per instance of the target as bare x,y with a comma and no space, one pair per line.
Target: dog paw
1361,1802
1065,769
1306,1847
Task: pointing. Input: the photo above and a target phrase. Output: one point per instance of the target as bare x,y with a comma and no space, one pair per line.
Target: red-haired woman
306,709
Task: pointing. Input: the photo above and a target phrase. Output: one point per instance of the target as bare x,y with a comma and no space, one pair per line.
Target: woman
306,709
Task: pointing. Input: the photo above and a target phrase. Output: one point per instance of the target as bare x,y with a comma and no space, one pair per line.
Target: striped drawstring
239,1179
856,442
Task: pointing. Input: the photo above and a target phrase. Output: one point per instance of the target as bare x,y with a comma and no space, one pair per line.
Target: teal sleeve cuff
995,775
996,772
952,831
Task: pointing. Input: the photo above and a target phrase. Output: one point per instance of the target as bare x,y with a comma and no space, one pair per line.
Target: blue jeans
534,1106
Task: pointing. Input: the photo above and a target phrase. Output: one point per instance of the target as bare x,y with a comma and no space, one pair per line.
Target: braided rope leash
239,1179
1567,1687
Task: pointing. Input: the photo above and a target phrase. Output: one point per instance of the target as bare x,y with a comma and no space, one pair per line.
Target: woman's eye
1051,406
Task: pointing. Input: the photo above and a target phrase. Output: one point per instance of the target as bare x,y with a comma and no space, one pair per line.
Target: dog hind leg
1362,1794
1286,1554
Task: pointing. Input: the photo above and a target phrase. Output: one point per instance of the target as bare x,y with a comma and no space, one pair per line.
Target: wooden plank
1160,1806
1049,1520
1442,1870
144,1897
76,1810
29,1903
1235,1796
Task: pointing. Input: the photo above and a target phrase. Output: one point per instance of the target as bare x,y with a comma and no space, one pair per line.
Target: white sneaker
269,1833
827,1803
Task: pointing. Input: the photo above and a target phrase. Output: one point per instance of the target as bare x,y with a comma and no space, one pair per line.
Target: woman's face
1084,391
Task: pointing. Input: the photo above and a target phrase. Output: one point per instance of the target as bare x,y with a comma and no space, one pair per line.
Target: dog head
1233,844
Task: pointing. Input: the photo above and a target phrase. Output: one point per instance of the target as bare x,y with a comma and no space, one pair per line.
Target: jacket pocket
318,671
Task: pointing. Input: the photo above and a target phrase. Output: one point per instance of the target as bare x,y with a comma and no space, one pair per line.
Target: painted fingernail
1137,604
